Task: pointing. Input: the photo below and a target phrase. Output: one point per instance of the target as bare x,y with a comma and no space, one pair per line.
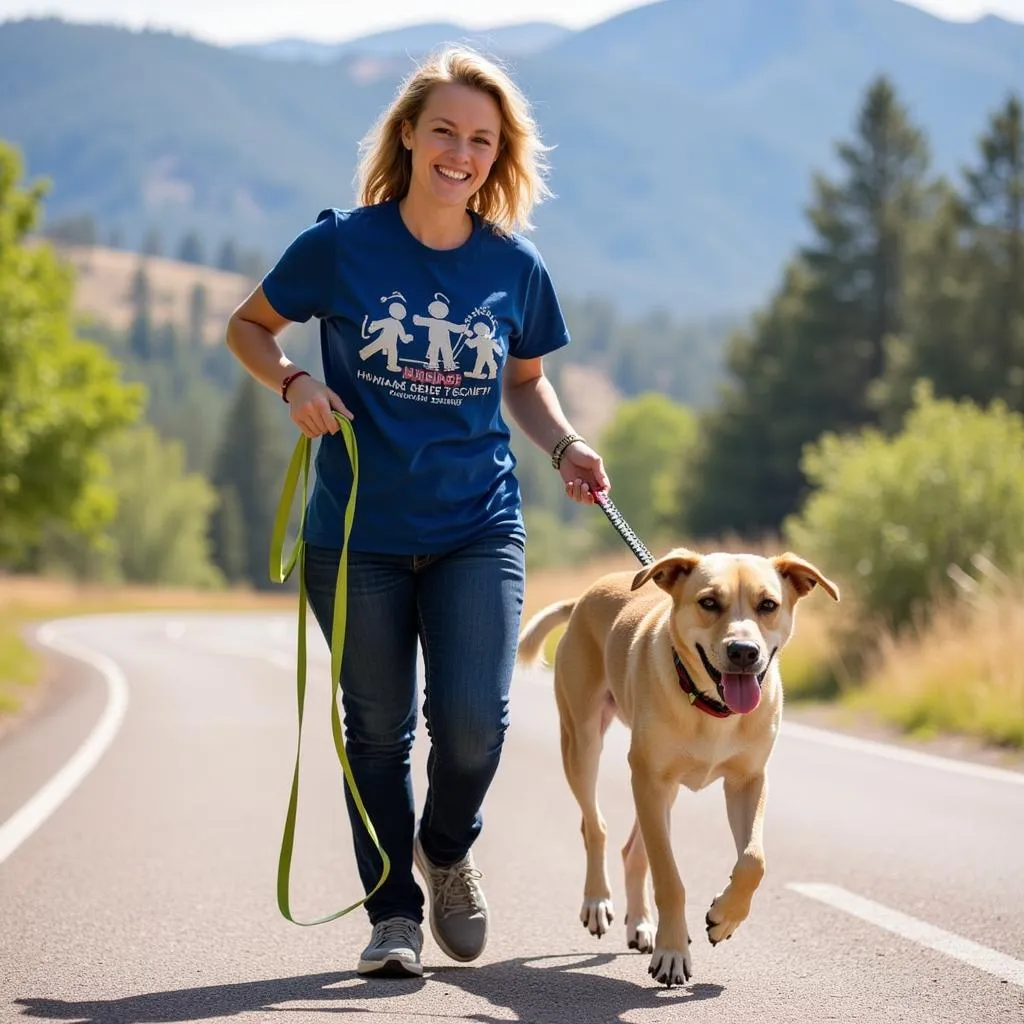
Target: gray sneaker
458,910
394,949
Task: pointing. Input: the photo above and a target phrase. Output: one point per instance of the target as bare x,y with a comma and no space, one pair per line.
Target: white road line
39,807
893,753
989,960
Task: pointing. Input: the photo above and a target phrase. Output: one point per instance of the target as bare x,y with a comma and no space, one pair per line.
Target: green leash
280,570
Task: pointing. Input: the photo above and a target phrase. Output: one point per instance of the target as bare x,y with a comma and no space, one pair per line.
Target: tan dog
695,677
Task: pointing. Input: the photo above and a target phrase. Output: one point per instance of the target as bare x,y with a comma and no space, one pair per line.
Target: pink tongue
741,692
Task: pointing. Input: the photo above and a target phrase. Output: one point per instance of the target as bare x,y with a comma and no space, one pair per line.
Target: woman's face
454,143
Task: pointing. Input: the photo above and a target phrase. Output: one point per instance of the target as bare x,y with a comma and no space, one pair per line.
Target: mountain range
685,132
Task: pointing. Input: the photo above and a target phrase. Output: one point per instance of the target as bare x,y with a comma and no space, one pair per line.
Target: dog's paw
597,915
640,935
671,967
724,916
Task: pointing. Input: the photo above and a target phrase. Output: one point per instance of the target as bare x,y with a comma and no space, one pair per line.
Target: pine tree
140,334
153,243
229,258
859,263
198,309
228,535
811,361
937,343
191,248
994,205
254,450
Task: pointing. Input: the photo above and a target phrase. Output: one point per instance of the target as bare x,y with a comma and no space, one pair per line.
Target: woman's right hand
310,405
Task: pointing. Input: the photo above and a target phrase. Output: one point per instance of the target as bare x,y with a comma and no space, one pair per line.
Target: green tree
228,257
254,450
60,397
937,344
198,309
995,213
153,242
891,515
159,533
647,441
140,333
161,527
811,360
228,535
865,226
191,248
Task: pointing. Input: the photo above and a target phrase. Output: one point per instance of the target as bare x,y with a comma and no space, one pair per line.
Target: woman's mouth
451,174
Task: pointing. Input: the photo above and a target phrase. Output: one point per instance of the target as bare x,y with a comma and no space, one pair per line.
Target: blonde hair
516,183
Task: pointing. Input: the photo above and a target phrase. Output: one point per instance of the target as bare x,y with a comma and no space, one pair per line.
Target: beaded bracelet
287,383
559,450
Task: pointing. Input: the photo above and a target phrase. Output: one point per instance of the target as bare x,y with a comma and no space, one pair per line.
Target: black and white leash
625,531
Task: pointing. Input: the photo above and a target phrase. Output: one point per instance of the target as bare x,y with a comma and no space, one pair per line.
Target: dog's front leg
745,803
653,794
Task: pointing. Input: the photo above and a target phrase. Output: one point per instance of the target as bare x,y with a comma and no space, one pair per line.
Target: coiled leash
280,570
625,531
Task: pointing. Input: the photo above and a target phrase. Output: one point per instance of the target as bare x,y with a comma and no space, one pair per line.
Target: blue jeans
464,609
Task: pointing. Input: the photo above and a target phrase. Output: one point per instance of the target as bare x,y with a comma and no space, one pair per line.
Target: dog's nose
742,653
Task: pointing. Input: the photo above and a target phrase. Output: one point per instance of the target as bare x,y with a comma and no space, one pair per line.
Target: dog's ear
665,571
803,576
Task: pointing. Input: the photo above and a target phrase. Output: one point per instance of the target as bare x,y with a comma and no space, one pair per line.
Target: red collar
698,698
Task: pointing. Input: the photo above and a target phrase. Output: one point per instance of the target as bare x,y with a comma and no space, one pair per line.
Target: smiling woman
435,312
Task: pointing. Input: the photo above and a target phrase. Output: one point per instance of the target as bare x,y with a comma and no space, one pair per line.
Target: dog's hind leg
639,920
583,725
745,803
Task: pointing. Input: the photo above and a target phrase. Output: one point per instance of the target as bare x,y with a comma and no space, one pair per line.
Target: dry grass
103,288
959,674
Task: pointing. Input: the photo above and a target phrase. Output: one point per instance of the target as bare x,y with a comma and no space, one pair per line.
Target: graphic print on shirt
391,332
481,341
431,370
439,332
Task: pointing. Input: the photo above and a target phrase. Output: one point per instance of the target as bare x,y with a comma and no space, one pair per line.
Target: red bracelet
287,383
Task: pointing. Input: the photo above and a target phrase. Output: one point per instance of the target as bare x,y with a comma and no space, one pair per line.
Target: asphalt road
141,813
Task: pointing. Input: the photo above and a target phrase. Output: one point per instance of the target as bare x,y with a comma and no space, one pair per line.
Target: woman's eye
767,606
709,604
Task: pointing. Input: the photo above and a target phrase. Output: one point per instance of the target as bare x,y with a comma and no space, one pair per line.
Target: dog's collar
698,698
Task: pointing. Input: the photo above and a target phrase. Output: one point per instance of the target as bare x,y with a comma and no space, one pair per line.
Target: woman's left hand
583,472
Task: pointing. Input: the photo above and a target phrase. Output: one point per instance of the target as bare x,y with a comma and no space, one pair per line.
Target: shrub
893,516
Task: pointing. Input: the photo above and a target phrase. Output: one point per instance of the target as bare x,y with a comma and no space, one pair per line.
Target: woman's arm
531,400
252,334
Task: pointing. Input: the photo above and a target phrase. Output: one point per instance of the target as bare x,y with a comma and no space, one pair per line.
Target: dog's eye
709,604
767,606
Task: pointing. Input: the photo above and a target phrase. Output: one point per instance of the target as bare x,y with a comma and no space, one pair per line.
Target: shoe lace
458,888
395,929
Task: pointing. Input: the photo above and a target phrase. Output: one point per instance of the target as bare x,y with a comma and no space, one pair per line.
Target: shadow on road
542,990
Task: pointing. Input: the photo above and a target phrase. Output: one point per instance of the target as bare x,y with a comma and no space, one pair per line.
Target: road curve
141,813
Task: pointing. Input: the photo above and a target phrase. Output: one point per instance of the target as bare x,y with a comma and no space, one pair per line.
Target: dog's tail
535,632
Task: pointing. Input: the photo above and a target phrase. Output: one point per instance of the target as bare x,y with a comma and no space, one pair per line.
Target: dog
692,670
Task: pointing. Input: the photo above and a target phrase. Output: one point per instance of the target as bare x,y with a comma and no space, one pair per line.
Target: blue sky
233,21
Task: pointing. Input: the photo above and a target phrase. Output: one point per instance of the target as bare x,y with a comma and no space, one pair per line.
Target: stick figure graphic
391,332
486,348
439,332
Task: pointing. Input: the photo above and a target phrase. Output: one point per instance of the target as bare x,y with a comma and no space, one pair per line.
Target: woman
429,258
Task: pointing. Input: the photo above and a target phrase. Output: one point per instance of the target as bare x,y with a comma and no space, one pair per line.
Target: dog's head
732,614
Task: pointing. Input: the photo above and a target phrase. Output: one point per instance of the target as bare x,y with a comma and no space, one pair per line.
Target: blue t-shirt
413,341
